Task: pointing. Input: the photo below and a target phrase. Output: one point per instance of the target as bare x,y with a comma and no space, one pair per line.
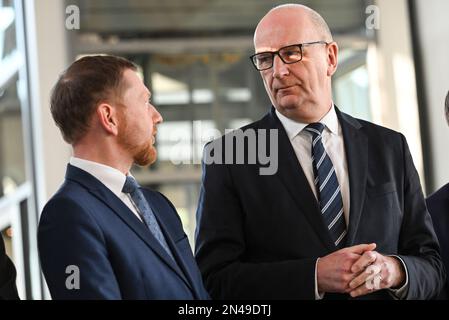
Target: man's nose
280,68
157,118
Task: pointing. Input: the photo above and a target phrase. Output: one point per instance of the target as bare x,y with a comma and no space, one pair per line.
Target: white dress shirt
301,141
332,138
112,179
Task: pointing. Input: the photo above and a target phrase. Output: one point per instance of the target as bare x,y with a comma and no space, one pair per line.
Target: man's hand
334,271
377,272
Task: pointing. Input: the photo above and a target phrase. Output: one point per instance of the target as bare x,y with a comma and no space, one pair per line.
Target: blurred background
193,55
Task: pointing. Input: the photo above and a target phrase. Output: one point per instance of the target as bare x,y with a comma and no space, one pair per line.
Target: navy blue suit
86,225
438,205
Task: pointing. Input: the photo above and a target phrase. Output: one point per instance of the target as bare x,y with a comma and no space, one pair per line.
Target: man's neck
312,117
100,155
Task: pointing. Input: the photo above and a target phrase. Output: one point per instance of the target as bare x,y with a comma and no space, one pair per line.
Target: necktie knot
130,185
316,129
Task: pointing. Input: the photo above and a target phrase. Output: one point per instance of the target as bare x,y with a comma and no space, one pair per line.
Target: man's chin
288,107
287,101
146,158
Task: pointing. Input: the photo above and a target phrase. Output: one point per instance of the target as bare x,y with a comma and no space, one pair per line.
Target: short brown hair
87,82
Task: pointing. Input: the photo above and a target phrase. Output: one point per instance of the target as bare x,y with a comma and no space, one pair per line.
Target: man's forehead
143,90
281,37
134,83
279,30
284,16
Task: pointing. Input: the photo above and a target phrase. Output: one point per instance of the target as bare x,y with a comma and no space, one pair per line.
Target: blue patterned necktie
131,187
327,187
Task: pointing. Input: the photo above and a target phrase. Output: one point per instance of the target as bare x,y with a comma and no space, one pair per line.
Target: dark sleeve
69,236
418,245
438,206
221,250
8,289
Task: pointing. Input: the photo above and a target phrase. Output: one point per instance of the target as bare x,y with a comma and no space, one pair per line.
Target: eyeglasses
289,54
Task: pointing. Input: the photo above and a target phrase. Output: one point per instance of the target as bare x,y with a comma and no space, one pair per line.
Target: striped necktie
327,187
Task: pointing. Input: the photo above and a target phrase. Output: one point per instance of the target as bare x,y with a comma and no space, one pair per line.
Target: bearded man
102,236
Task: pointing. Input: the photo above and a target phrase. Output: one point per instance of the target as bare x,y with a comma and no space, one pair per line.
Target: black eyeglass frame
273,53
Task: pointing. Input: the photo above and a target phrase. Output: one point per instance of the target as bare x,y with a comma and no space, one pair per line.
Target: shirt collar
112,178
293,128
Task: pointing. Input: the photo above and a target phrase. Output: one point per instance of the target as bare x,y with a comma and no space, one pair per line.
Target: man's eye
264,59
292,52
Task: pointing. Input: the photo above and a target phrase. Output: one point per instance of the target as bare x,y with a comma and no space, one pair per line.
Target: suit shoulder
372,130
438,207
258,124
69,203
440,196
380,130
254,125
69,192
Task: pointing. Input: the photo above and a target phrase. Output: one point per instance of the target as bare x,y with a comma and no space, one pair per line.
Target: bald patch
317,21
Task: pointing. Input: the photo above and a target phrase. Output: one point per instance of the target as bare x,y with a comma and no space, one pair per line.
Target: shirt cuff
402,291
318,296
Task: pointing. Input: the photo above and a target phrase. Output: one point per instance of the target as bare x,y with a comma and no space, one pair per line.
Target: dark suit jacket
438,205
259,236
84,224
8,290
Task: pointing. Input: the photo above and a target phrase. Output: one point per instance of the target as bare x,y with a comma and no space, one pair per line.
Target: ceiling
197,18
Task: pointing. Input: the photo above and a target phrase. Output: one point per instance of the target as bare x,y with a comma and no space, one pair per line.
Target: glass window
12,163
199,95
351,84
8,40
15,186
12,158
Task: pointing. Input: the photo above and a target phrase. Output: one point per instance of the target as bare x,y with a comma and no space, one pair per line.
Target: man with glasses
344,215
438,205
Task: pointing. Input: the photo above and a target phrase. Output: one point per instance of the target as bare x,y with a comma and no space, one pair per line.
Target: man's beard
143,154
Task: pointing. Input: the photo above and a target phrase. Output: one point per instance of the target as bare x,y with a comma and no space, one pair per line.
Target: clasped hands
358,270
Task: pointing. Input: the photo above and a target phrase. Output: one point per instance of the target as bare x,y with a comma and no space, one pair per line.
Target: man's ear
107,117
332,58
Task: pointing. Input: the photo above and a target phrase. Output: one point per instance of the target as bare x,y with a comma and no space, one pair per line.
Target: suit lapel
120,209
292,176
356,146
168,237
